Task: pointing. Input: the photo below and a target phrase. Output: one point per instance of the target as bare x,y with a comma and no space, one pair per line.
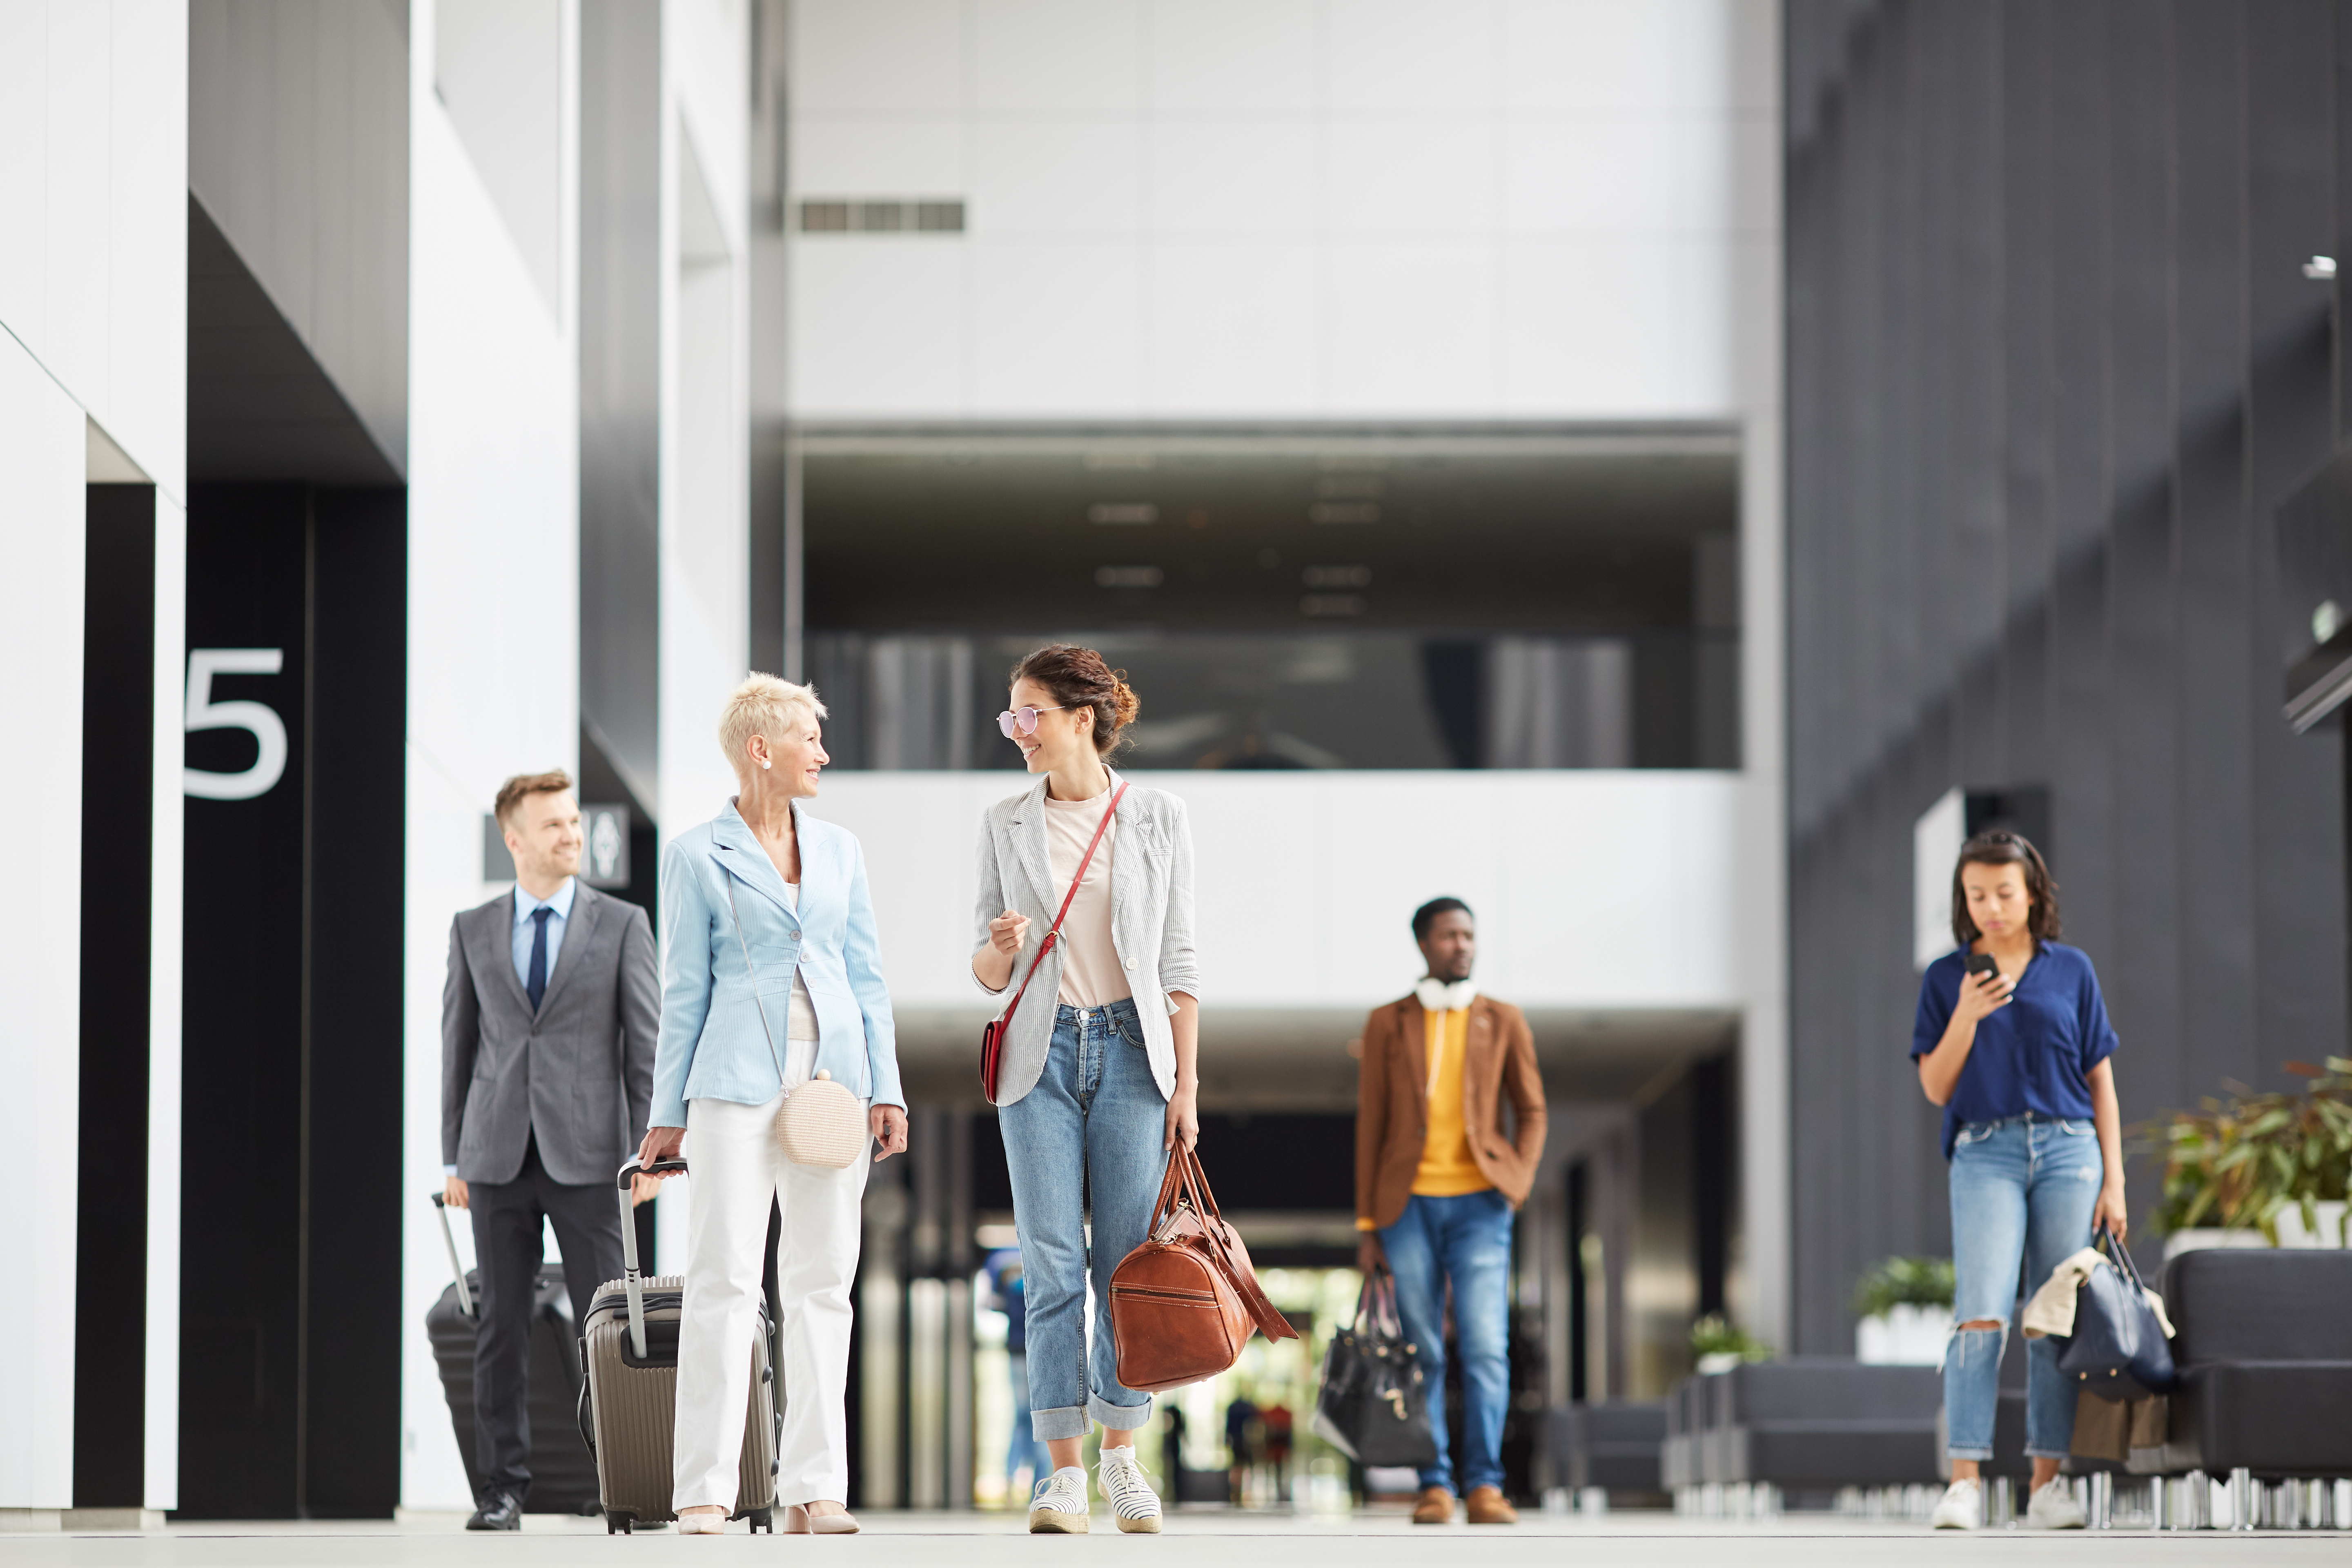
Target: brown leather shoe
1436,1507
1489,1506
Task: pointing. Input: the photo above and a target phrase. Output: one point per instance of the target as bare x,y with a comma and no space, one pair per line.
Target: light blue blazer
711,1045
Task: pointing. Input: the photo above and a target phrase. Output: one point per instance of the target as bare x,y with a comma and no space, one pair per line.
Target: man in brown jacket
1438,1172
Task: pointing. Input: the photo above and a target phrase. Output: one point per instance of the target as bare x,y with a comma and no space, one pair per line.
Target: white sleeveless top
803,1010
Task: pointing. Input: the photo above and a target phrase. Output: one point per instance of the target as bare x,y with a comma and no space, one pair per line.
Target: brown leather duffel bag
1182,1304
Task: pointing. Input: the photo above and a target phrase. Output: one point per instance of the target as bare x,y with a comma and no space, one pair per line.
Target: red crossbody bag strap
1055,930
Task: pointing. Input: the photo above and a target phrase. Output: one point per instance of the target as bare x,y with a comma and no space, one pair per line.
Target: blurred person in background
764,877
2012,1040
1098,1079
1242,1431
1008,1295
1439,1172
548,1023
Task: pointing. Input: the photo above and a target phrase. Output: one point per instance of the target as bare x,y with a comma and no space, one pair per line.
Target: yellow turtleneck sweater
1447,1170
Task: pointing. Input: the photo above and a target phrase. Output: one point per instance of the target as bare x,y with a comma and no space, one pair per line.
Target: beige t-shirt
1091,974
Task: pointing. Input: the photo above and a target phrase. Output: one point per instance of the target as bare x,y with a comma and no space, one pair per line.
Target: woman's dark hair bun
1079,678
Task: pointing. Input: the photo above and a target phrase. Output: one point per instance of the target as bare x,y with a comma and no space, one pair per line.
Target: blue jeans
2023,1190
1091,1127
1466,1240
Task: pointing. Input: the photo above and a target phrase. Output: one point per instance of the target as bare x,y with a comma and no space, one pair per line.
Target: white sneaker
2053,1507
1124,1486
1962,1506
1060,1506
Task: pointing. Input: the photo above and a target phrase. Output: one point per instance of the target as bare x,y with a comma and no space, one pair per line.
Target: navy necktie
536,982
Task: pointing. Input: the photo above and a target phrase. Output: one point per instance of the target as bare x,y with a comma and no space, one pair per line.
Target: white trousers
735,1168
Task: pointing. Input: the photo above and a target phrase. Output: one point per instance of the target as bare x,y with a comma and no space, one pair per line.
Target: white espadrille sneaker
1059,1507
1961,1508
2053,1507
1124,1486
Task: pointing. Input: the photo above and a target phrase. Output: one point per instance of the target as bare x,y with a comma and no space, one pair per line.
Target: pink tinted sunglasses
1021,720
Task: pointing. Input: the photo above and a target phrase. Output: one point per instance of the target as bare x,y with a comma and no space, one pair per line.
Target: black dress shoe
499,1510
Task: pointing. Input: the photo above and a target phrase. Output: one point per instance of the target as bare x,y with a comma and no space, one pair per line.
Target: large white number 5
204,713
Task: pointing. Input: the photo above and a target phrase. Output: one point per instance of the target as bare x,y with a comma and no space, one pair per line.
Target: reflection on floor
1246,1538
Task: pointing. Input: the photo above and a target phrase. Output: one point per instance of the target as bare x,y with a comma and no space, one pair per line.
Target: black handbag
2118,1348
1374,1404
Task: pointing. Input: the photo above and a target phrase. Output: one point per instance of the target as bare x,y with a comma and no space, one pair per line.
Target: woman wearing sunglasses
1097,1078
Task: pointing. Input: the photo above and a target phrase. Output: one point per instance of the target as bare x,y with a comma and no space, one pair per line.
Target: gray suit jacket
507,1073
1151,922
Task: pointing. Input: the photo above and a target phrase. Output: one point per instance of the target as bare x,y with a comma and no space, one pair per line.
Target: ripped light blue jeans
2024,1191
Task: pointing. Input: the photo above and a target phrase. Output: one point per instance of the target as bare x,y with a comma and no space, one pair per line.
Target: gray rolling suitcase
632,1394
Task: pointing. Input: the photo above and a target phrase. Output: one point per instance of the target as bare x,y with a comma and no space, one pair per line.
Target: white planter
1905,1336
2331,1225
2198,1241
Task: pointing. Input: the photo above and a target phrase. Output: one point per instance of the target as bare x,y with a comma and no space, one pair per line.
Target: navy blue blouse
2032,1055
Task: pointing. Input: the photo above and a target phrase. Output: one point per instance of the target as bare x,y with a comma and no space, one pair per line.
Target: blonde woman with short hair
759,892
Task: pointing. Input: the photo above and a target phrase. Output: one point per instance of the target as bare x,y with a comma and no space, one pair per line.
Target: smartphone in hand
1983,964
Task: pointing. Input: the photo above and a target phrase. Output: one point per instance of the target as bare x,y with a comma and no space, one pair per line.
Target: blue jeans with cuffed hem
1466,1240
1091,1127
2024,1191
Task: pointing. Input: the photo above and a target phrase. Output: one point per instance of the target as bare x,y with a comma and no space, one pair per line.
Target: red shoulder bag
992,1037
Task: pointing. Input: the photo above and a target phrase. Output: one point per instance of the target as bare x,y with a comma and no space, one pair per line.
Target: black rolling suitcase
562,1471
631,1343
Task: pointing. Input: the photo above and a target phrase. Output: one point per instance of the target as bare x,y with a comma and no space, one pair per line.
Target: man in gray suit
547,1066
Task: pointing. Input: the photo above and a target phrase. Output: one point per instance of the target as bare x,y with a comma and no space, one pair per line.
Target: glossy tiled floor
1203,1540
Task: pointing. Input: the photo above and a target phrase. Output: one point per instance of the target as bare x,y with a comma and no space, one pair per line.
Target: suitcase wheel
763,1519
620,1521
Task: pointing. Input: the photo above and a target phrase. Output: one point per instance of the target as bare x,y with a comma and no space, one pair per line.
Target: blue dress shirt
524,903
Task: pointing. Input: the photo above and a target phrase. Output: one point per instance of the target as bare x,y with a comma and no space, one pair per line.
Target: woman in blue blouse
771,974
2019,1061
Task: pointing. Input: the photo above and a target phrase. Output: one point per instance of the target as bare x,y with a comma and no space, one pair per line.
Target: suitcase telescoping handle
629,1279
449,1244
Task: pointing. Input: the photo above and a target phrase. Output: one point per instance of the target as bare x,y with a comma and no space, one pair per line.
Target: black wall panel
118,794
2052,362
242,1028
289,1331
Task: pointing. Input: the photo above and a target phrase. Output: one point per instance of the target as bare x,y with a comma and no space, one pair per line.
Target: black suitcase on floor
562,1471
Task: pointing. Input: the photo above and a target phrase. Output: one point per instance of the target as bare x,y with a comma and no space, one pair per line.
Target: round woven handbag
821,1123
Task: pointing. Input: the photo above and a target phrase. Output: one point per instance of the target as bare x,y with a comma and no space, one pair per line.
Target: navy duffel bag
2117,1349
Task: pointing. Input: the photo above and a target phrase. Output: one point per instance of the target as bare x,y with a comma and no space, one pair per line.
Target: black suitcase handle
629,1279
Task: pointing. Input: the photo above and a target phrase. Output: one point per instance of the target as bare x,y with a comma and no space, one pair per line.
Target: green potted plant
1905,1305
1718,1347
2261,1170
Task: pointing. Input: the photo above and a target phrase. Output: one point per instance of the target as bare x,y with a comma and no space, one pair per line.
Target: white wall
93,269
493,611
1593,888
40,790
1290,208
704,484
